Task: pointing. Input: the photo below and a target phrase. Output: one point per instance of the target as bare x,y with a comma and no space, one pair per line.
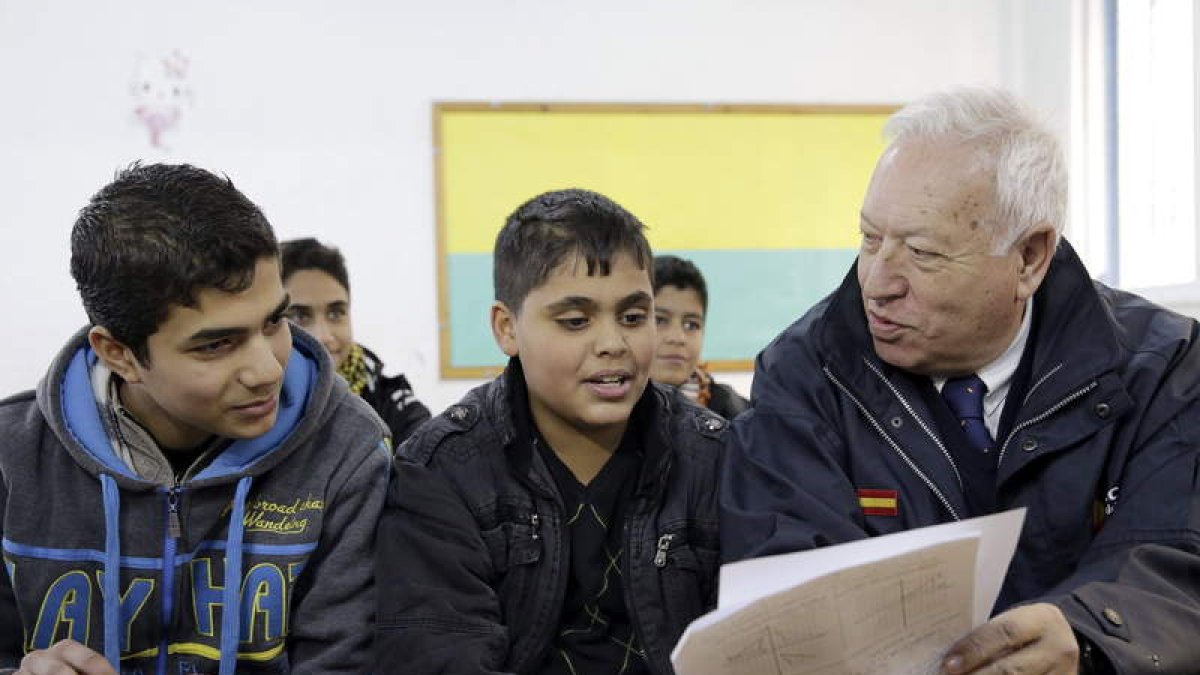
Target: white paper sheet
883,604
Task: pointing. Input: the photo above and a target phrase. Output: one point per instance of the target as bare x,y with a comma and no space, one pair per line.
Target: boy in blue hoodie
190,489
561,519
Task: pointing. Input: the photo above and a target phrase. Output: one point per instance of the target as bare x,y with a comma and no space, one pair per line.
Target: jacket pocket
512,544
689,576
515,548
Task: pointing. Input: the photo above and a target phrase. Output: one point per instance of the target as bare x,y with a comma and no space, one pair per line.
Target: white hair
1030,172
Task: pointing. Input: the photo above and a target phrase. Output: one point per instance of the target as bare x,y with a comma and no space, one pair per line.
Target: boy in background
171,498
562,518
680,312
319,287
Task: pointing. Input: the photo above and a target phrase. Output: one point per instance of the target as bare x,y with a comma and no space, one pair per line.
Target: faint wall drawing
161,93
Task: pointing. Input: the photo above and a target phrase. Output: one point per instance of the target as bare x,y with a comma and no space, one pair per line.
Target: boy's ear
119,358
504,328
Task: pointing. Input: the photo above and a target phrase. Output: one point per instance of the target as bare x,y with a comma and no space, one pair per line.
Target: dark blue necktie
964,395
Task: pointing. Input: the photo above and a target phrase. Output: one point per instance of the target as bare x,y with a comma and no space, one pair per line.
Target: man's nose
673,334
881,278
321,331
610,338
261,367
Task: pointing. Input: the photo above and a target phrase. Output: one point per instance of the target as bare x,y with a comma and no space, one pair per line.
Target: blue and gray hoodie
259,563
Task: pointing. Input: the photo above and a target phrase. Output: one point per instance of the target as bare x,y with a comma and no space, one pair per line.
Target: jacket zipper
895,447
660,552
174,531
642,516
920,422
1046,413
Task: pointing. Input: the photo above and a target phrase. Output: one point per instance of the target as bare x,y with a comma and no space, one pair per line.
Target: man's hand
1028,639
66,657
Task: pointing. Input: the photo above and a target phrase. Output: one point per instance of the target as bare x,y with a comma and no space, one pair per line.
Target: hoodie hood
68,404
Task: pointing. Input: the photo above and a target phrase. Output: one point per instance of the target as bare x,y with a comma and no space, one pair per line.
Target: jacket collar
510,411
1075,343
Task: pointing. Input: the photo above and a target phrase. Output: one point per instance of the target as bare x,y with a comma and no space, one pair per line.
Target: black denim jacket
472,564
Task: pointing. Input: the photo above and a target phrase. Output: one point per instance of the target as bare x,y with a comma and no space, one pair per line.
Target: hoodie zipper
174,531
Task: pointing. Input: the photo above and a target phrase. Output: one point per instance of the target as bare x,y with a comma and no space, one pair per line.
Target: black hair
156,236
546,229
670,270
309,254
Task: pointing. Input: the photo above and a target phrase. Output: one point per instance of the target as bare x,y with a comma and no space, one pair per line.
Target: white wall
320,112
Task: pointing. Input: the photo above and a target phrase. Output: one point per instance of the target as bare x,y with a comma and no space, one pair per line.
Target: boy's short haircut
309,254
543,231
670,270
157,235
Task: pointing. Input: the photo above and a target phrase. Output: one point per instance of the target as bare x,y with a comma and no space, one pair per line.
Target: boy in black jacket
562,518
318,285
680,311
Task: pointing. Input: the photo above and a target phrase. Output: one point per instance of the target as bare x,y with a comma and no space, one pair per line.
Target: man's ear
1035,249
504,328
119,358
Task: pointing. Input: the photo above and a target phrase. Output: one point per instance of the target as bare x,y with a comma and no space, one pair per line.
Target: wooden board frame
450,370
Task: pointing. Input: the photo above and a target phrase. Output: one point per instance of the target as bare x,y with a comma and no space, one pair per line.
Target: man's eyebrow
281,308
571,302
633,299
209,334
863,217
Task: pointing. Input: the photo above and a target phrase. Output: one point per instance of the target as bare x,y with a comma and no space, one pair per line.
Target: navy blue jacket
473,558
1103,451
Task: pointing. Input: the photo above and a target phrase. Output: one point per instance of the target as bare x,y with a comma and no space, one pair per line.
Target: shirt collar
998,374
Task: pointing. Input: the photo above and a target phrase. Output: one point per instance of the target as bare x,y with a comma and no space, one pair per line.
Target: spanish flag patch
879,502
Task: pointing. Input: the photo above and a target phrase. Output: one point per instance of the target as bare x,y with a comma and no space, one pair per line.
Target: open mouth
610,386
882,328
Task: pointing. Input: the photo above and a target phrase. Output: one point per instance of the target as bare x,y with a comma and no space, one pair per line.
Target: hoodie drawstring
231,613
112,571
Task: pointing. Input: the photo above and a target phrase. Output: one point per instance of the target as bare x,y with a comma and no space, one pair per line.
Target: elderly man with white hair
968,364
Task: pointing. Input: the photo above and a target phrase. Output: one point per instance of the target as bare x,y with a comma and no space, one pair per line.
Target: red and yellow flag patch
879,502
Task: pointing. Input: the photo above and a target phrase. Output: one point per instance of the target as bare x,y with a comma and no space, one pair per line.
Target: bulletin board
763,198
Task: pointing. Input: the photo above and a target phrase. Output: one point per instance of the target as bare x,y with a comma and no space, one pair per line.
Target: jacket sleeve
1136,593
438,612
335,600
783,483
